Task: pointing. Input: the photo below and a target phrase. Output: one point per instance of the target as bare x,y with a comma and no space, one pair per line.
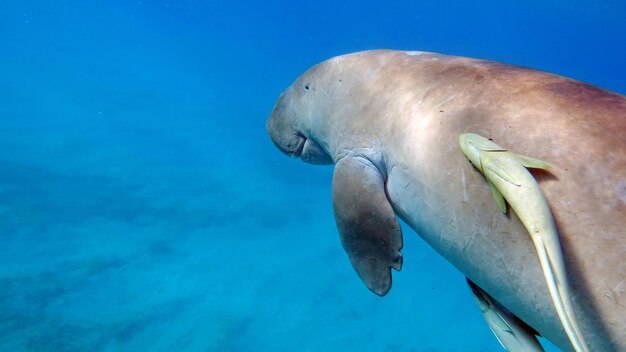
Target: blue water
144,208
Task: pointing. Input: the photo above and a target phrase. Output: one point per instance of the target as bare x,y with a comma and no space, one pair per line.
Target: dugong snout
287,135
289,142
283,132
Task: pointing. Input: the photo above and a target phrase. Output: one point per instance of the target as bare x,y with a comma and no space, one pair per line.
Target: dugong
390,122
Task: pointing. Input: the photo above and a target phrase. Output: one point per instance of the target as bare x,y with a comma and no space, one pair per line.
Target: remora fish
513,334
509,179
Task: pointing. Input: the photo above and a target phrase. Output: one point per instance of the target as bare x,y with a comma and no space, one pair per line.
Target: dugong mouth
291,144
301,144
299,147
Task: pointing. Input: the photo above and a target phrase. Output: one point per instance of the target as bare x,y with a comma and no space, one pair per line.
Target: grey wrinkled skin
390,121
369,230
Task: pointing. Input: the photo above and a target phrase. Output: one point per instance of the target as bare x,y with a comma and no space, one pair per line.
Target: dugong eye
306,86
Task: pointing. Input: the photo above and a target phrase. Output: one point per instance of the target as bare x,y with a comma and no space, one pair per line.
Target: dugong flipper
368,227
513,334
508,178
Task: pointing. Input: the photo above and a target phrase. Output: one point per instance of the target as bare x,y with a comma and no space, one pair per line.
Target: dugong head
313,121
291,122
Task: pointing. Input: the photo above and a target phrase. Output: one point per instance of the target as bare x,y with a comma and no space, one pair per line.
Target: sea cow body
391,120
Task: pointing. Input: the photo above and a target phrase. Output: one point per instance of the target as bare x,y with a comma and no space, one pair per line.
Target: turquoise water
144,208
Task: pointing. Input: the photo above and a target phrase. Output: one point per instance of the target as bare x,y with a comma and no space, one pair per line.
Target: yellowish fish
509,180
513,334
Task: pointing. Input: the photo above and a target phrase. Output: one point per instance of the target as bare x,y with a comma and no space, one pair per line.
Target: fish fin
498,197
501,324
533,163
497,167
